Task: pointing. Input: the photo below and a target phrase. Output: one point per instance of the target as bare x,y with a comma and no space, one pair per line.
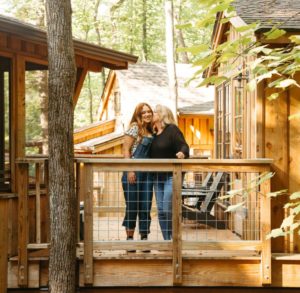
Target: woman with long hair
138,186
168,143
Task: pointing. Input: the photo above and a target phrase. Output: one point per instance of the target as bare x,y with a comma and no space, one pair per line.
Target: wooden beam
265,215
3,244
107,92
38,202
81,74
18,115
87,194
176,223
23,228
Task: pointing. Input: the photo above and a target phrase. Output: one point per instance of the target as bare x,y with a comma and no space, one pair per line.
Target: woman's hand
180,155
131,177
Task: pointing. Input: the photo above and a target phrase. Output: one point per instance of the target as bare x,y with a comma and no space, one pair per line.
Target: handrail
84,176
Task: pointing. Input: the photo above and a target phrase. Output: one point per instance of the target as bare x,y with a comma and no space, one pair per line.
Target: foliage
276,65
116,24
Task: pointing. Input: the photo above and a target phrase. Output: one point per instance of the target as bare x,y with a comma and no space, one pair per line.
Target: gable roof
285,13
149,82
108,57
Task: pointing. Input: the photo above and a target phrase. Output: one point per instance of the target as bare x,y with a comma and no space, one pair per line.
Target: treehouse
148,82
213,244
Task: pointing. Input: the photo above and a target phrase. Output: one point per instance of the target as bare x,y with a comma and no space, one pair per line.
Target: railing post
46,182
87,192
3,244
38,202
176,224
23,226
266,257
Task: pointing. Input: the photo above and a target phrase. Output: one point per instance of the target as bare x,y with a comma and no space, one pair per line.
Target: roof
109,58
92,144
270,13
149,82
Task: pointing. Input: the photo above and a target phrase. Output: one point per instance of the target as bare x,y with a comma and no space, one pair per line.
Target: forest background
132,26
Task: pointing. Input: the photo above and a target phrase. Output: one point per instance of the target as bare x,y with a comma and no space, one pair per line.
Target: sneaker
145,237
130,250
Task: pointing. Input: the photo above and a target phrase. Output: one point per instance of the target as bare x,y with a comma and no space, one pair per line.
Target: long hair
165,115
137,118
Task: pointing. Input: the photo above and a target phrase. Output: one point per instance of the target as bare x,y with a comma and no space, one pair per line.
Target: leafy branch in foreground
250,51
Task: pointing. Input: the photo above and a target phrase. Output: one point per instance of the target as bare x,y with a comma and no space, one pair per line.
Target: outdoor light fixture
240,77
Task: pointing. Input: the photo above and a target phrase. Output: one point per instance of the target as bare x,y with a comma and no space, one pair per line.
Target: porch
214,249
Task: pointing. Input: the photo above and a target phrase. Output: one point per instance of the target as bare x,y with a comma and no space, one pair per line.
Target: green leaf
296,210
287,221
265,177
274,33
290,204
273,97
251,86
294,226
295,39
276,233
260,49
183,26
276,193
286,83
253,26
294,116
233,208
295,195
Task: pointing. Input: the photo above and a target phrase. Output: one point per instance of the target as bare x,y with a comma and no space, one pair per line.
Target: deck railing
201,228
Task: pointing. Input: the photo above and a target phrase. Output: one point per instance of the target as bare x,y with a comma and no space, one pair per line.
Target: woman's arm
181,147
128,143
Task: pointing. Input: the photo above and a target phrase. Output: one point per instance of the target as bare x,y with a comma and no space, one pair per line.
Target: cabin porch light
240,77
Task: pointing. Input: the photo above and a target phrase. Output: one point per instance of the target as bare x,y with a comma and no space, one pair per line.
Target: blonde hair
165,115
137,119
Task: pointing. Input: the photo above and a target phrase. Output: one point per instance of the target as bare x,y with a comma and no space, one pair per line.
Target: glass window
5,104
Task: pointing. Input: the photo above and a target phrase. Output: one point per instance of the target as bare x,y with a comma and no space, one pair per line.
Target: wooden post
46,182
38,202
87,189
265,213
176,224
3,244
23,227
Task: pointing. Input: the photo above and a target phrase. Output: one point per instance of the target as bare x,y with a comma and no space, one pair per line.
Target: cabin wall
198,131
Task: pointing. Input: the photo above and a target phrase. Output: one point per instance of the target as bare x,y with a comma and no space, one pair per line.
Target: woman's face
146,114
155,116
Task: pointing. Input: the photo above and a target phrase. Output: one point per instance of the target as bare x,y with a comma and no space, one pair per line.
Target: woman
137,186
169,143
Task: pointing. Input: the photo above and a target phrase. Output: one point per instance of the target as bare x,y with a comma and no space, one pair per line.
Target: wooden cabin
248,125
209,247
146,82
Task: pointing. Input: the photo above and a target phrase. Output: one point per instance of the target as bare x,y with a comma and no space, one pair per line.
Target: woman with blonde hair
138,186
168,143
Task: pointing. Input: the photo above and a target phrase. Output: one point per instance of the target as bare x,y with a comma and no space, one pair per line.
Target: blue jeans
138,198
163,186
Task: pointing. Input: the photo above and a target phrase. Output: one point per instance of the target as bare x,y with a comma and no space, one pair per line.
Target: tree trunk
43,87
62,73
180,38
170,55
145,48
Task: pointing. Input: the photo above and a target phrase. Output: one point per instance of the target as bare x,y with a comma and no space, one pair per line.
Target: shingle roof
270,12
149,82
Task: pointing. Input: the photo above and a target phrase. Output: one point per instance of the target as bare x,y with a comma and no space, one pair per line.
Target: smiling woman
137,186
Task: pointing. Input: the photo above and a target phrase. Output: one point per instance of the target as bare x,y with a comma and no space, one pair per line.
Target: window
224,122
5,104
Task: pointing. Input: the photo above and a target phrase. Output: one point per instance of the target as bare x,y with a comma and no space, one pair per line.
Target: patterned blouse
134,132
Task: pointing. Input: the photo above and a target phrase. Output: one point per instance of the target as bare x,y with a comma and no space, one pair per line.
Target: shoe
130,250
145,237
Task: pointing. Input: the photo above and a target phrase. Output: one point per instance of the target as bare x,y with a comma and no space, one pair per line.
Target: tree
170,54
279,66
62,74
